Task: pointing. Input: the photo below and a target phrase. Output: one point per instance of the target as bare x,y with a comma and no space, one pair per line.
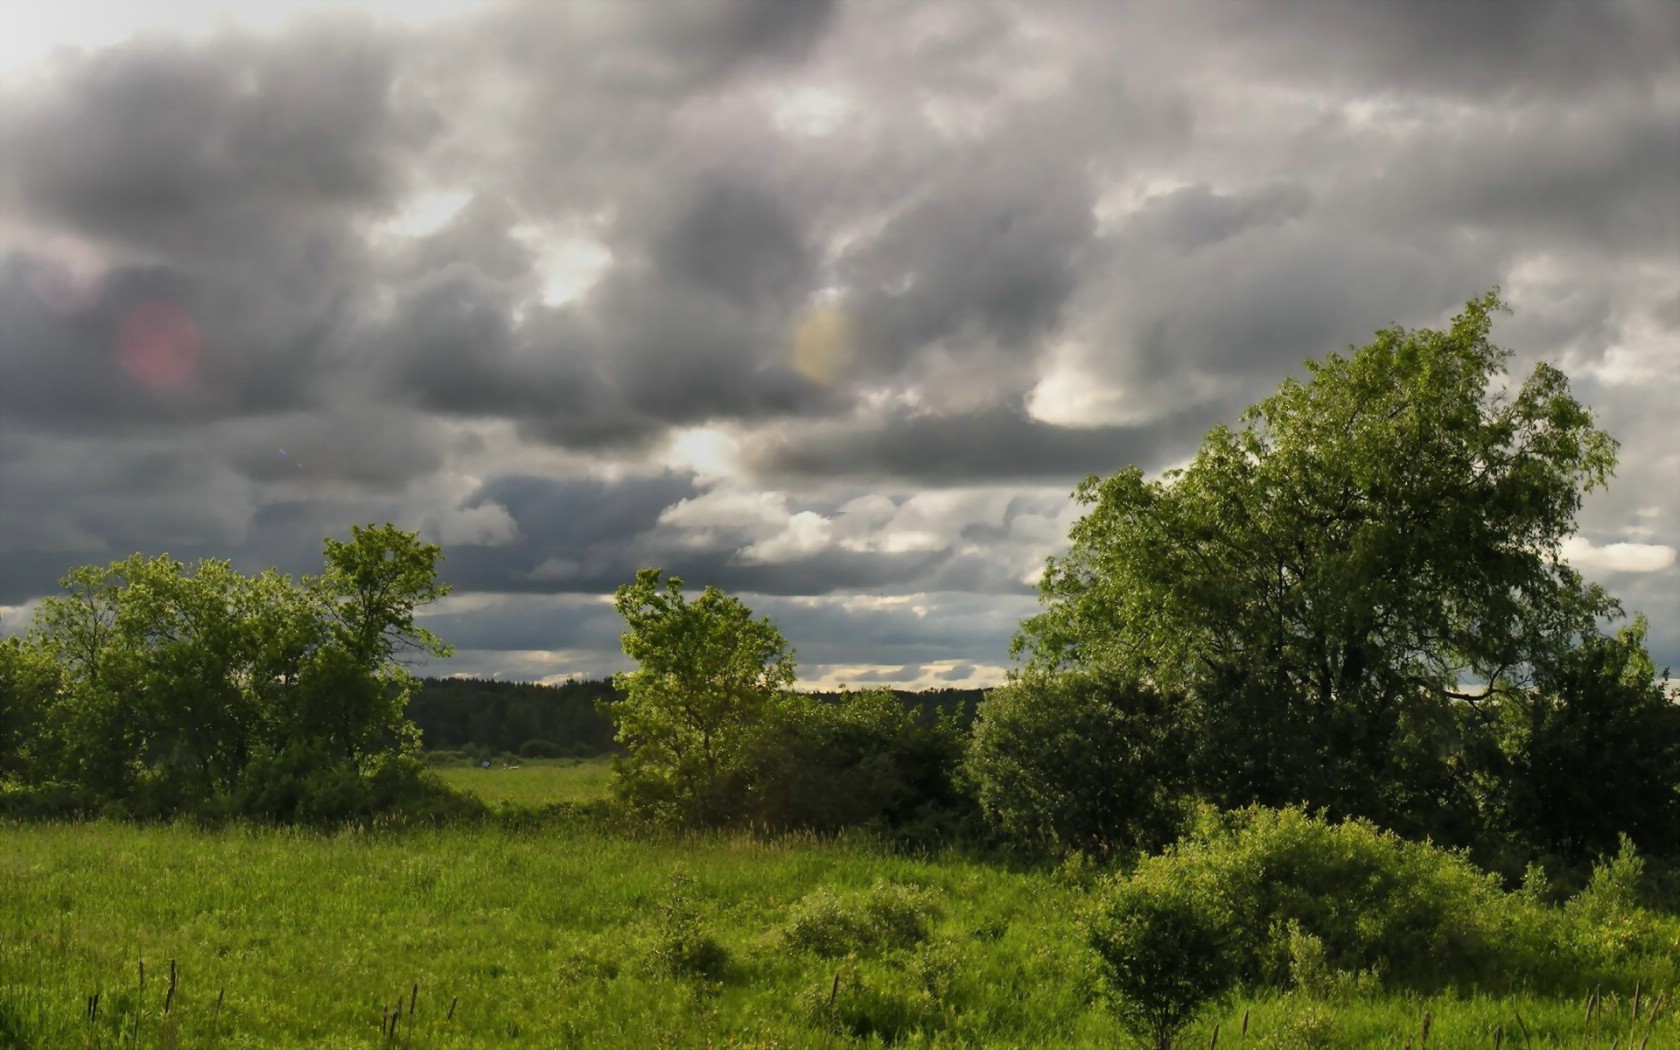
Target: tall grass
488,937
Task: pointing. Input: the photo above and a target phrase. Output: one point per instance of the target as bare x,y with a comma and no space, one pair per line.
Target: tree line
572,719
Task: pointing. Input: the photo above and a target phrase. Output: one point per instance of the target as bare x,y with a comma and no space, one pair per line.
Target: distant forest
565,720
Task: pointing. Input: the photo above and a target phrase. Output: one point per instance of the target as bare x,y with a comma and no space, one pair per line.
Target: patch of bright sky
569,261
814,110
712,454
31,30
426,212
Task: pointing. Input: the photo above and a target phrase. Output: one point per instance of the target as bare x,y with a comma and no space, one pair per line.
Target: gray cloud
864,287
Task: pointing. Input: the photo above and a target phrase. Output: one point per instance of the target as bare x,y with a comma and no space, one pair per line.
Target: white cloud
1618,557
806,533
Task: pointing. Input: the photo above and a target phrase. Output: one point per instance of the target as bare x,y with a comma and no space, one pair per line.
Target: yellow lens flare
822,344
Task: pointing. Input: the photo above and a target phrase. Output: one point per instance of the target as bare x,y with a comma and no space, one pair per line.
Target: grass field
564,937
533,782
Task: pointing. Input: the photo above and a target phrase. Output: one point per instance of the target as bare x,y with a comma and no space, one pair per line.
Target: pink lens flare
158,344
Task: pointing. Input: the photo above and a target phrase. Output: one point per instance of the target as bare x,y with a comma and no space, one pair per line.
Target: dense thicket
152,687
1280,899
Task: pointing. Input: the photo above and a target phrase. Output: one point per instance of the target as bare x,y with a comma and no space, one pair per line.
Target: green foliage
1321,580
1081,761
707,671
714,736
681,945
538,748
29,684
452,713
887,917
150,687
1166,949
857,759
1335,908
1591,752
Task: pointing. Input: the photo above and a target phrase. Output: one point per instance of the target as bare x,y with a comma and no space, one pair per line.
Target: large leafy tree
708,671
1333,579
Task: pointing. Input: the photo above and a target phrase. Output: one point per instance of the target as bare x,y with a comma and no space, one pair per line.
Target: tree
29,685
1590,756
356,686
163,687
1326,580
707,671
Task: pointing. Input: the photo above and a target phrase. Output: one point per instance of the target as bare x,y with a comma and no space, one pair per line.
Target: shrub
875,1006
682,947
1078,761
1166,949
540,748
860,759
1335,908
888,916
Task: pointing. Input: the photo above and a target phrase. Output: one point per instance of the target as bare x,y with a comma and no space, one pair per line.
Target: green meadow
531,782
555,934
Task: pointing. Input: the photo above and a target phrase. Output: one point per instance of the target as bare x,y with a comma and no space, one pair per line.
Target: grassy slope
544,939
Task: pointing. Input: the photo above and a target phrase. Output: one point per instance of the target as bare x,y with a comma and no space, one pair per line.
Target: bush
1167,950
305,785
1077,761
681,946
877,1006
1423,917
1345,907
540,748
859,760
888,916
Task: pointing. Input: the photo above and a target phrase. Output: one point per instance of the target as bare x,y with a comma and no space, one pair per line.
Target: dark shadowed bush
859,759
541,749
1076,761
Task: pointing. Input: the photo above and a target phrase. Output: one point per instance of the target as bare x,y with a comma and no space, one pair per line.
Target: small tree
357,686
1166,953
707,671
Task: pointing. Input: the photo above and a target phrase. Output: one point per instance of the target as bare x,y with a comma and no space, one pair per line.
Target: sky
827,304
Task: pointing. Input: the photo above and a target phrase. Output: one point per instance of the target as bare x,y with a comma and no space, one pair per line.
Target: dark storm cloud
994,252
696,325
995,443
577,535
1476,51
189,149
